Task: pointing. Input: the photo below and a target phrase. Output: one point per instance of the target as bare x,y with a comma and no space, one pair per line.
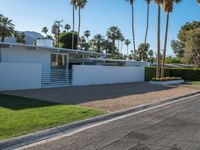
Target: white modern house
43,66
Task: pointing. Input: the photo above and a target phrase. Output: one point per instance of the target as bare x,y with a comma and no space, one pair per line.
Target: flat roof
53,49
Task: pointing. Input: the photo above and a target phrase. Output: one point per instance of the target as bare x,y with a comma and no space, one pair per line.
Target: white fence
94,75
18,76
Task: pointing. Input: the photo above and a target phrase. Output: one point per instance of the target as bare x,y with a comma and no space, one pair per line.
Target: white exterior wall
18,76
45,42
94,75
23,55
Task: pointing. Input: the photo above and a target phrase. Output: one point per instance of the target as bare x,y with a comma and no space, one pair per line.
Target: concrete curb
59,130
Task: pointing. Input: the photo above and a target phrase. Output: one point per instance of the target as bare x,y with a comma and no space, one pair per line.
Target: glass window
58,61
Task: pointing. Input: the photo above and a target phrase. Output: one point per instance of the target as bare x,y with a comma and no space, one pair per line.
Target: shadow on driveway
82,94
19,103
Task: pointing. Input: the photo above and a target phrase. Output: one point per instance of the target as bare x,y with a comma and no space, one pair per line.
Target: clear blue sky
98,16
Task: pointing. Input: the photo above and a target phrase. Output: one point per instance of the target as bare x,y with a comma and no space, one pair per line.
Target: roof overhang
53,49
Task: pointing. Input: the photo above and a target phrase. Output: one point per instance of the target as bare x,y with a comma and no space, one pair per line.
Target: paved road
173,127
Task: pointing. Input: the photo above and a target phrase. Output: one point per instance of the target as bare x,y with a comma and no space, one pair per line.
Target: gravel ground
132,100
108,97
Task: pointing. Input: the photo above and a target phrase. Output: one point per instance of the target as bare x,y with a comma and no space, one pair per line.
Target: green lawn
193,82
19,116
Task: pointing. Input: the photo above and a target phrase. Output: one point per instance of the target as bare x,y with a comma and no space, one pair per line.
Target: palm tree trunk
113,48
146,33
99,47
73,26
79,26
58,40
121,46
165,47
133,30
118,45
127,51
158,45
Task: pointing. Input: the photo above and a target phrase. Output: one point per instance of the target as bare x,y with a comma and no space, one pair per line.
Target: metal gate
56,78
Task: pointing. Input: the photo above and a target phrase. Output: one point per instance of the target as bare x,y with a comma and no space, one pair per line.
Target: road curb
59,130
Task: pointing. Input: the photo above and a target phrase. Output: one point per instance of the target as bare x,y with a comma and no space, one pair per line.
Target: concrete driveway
172,127
108,97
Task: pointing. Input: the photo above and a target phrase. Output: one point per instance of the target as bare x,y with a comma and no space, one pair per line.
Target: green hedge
191,74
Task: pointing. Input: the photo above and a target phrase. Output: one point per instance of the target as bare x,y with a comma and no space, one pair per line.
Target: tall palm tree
158,2
45,30
147,26
98,41
67,27
133,28
80,4
127,43
107,45
87,34
119,38
168,8
6,27
83,43
122,41
73,3
56,31
91,45
112,34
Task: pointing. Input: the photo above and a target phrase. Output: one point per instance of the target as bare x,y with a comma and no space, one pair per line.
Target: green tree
147,26
133,21
127,43
112,34
67,27
151,58
98,42
56,32
20,37
119,37
6,27
107,45
83,44
45,30
122,41
187,27
142,51
172,60
168,8
158,3
80,4
180,46
87,34
193,46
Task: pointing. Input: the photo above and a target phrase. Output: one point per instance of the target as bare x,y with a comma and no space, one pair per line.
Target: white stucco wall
24,55
18,76
94,75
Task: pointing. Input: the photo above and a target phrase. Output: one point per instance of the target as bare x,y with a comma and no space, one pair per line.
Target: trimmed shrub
192,74
66,40
150,73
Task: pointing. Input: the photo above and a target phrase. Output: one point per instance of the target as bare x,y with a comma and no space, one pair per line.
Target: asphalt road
172,127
